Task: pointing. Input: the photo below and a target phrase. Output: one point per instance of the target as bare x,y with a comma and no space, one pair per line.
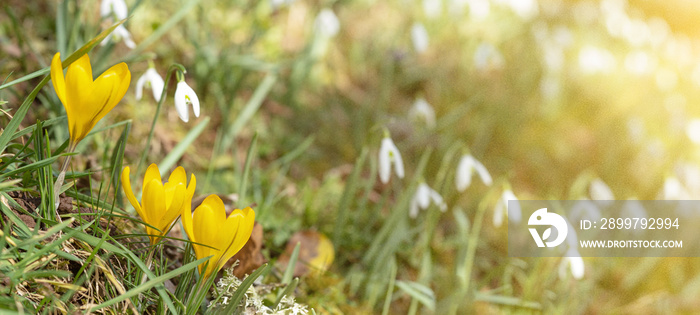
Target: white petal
601,191
116,7
327,23
422,109
139,85
398,162
463,178
423,196
498,214
157,83
514,212
483,173
181,101
385,160
577,267
419,36
437,199
413,212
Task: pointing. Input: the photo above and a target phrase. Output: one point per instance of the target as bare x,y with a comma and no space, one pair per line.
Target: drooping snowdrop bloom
574,262
422,110
467,165
118,10
432,8
514,214
114,8
601,192
151,79
389,153
421,200
327,23
585,210
419,36
184,96
120,33
487,57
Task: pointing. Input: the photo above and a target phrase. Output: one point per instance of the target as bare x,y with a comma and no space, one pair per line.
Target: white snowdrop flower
419,36
151,79
585,210
526,9
432,8
574,262
514,215
666,79
421,200
389,153
596,60
600,191
465,169
550,87
114,8
327,23
185,95
479,9
120,33
487,57
674,190
422,110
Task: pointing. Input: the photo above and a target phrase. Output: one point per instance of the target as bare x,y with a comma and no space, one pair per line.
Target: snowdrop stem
179,70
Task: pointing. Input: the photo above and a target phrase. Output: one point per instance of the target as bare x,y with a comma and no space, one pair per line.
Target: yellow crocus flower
161,204
87,101
223,236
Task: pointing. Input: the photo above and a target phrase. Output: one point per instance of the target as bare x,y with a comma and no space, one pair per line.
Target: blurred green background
548,95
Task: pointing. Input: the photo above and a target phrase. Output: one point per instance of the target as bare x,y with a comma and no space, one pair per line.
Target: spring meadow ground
337,157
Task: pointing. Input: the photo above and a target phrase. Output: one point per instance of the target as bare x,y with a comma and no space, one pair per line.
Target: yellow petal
78,83
178,176
126,186
152,173
154,205
58,80
174,206
108,90
246,218
208,220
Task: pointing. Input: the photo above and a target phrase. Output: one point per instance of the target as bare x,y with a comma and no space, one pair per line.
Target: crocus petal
57,78
245,229
154,207
173,206
126,183
178,176
152,173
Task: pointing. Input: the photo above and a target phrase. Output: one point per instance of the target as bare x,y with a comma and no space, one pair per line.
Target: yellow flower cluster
212,232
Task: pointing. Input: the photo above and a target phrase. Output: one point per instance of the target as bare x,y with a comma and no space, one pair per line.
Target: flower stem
59,181
173,68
